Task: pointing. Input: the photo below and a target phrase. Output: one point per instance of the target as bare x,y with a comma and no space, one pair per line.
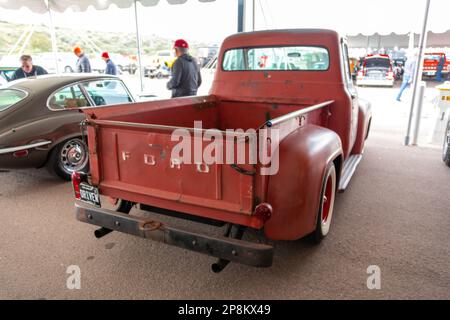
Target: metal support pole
53,36
418,71
22,36
254,15
418,115
241,15
138,40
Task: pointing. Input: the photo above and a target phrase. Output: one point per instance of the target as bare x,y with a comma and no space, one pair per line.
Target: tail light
360,74
263,211
390,75
76,180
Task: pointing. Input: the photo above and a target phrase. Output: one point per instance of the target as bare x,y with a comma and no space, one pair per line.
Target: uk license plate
89,194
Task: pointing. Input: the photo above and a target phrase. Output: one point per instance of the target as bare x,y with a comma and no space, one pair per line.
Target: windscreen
377,63
431,57
290,58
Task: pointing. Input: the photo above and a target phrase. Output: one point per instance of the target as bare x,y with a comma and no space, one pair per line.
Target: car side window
107,92
348,74
68,98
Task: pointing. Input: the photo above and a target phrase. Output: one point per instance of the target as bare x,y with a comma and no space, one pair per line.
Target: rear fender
294,192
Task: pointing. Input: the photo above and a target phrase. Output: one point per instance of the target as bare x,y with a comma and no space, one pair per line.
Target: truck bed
132,155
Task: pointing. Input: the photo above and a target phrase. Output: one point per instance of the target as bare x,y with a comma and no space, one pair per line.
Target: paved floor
395,215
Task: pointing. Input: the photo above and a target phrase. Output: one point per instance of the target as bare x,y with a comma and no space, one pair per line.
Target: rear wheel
446,148
67,157
326,205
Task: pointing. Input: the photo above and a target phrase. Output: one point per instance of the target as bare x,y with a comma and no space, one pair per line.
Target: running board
348,170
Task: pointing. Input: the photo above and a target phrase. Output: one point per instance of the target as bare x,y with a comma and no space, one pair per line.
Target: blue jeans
439,75
405,84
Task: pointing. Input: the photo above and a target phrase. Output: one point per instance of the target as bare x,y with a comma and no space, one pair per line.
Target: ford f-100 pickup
281,132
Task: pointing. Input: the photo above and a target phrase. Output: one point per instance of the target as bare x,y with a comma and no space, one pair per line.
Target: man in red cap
110,66
186,77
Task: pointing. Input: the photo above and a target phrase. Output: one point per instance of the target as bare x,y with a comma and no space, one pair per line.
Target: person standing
83,64
440,67
186,77
408,74
111,68
27,69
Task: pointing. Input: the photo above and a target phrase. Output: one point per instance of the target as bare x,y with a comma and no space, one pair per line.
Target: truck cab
281,132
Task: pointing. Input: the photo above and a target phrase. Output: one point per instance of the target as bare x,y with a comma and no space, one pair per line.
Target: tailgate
137,158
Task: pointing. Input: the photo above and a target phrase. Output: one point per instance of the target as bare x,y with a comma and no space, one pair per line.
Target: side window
348,74
107,92
68,98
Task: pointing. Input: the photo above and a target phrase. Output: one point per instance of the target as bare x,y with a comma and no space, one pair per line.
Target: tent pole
138,40
27,40
22,36
241,15
418,71
53,36
254,15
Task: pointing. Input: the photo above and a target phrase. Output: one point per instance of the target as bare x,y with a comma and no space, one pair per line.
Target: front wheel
446,148
68,157
326,205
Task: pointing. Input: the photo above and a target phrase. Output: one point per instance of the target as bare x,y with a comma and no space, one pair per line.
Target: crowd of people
185,81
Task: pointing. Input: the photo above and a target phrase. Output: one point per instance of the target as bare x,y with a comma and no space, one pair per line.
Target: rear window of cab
287,58
9,97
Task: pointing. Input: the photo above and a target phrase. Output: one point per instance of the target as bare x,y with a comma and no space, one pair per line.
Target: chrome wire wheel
73,156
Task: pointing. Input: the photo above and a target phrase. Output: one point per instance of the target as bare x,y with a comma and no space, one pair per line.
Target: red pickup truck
285,102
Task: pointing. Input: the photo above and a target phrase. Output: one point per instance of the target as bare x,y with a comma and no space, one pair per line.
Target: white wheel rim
327,206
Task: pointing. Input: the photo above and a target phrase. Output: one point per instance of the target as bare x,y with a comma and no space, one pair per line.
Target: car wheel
68,69
446,148
326,205
67,157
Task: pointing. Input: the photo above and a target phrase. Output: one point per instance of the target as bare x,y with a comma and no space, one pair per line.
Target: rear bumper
248,253
375,83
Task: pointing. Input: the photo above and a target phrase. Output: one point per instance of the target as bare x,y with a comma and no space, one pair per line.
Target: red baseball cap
180,43
105,55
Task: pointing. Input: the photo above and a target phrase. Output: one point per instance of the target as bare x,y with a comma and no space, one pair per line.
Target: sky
212,22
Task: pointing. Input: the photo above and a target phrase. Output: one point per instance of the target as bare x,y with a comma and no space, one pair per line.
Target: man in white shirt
408,75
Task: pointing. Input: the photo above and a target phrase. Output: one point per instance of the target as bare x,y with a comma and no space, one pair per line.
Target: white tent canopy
352,17
40,6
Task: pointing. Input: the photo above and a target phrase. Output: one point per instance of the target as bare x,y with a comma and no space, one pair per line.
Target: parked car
6,74
66,61
208,72
446,148
430,64
97,64
40,120
158,72
376,70
124,64
296,83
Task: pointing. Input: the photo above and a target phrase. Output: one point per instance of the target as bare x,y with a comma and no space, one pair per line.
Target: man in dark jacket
110,66
83,64
186,77
27,69
440,68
